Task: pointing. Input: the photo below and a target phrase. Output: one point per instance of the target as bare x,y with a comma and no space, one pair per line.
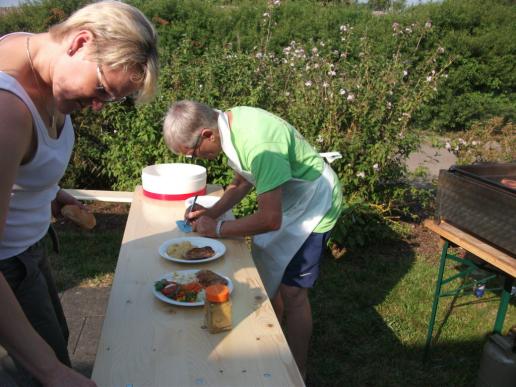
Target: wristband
218,227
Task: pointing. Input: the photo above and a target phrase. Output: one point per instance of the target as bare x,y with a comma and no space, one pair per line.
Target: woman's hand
63,198
206,226
195,213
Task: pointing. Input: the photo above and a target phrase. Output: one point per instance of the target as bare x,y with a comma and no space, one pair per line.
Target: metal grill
474,199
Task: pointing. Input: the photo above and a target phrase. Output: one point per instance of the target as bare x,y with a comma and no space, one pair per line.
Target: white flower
276,3
320,139
376,167
361,174
474,143
325,84
429,78
405,73
343,28
259,55
308,83
447,145
321,43
266,14
350,97
314,50
395,26
428,24
114,131
389,105
462,141
332,73
342,91
408,30
287,93
200,86
316,65
440,50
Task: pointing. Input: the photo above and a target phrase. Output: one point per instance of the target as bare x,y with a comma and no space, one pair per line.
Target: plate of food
192,249
186,287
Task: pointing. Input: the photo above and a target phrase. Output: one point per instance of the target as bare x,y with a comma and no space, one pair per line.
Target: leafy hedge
349,81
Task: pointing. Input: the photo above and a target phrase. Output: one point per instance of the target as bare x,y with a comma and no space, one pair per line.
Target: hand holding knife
191,208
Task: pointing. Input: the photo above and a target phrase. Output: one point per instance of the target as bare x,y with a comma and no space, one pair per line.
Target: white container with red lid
175,181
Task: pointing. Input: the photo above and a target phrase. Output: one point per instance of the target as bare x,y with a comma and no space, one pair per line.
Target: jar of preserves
217,308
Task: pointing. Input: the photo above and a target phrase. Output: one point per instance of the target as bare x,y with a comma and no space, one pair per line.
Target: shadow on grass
354,345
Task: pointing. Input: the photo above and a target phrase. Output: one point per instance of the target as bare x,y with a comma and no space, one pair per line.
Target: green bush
349,81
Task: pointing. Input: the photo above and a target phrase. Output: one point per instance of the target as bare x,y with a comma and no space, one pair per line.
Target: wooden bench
103,196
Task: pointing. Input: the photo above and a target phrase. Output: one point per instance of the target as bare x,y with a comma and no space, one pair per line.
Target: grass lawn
371,308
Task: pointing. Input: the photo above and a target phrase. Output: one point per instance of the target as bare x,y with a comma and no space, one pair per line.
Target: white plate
183,276
217,246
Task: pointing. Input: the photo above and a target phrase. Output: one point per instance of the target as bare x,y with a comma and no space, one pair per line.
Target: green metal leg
504,302
437,294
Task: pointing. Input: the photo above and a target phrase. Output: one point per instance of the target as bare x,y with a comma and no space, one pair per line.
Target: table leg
504,302
437,294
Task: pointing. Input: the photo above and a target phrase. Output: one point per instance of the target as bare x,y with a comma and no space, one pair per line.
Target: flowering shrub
343,95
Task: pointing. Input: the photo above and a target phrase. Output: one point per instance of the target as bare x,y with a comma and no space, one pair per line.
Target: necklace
51,114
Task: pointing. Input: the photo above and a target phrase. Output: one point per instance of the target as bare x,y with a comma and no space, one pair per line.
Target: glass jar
217,308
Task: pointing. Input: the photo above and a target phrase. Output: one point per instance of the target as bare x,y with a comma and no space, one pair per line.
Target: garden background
369,80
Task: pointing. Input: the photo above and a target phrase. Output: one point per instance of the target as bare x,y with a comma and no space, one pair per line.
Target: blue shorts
303,269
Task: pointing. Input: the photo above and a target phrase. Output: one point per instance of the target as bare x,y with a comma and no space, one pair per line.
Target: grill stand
487,253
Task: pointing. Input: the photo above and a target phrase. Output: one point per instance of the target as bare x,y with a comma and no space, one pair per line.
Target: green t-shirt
275,152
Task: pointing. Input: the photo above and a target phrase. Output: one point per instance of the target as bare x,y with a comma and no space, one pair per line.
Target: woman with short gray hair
299,201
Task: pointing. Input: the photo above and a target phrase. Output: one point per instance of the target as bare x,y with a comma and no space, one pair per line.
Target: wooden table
146,342
486,252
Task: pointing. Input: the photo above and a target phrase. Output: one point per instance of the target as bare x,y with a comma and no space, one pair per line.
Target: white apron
304,203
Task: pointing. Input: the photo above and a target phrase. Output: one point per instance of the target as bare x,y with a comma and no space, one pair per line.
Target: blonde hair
124,37
184,122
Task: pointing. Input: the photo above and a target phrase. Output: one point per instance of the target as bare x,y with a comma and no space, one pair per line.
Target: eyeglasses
105,97
196,146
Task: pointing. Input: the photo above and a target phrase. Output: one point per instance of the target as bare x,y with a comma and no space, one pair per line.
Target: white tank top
35,186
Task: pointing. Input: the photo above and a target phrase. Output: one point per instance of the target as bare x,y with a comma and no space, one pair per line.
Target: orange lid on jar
217,293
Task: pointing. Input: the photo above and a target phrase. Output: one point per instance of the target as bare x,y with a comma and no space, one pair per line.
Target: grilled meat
207,278
199,253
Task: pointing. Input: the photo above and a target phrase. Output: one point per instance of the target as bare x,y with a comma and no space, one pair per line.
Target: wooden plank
103,196
122,196
483,250
146,342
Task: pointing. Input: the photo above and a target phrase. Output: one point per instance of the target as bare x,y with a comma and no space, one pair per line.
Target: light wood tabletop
481,249
147,342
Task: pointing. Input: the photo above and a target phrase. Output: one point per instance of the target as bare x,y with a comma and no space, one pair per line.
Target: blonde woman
102,53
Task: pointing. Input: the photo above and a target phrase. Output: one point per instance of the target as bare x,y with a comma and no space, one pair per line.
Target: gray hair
124,38
184,122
